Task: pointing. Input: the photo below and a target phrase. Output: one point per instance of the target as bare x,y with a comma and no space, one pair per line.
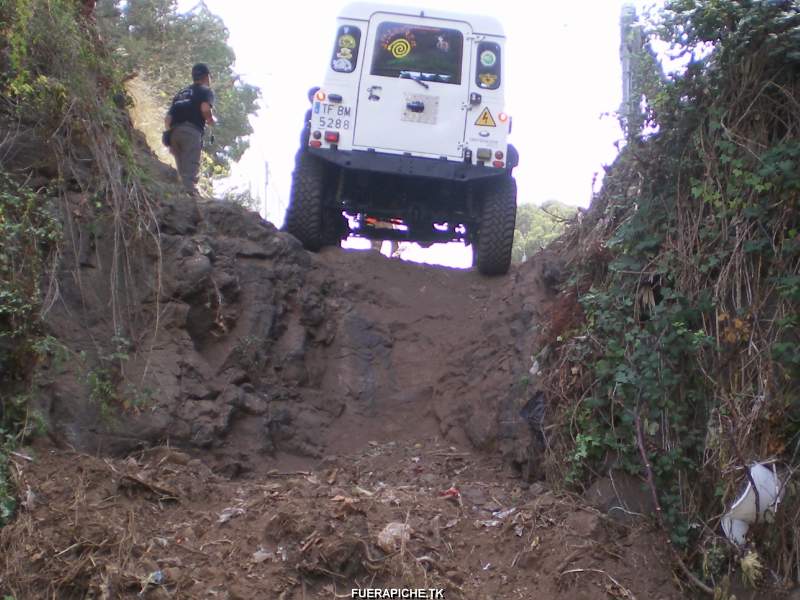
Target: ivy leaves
691,335
27,230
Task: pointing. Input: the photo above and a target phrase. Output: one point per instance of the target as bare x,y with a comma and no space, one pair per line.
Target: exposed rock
246,344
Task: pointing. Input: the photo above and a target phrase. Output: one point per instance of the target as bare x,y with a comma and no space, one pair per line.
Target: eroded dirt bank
297,404
249,348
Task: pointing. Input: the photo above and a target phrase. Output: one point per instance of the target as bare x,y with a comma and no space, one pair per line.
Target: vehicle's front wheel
304,217
496,235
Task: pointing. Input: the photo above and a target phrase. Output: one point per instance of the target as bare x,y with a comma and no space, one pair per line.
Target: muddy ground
298,405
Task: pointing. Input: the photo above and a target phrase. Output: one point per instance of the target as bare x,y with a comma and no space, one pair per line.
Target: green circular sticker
347,41
488,58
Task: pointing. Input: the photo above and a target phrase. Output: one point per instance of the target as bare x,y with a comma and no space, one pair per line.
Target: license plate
332,116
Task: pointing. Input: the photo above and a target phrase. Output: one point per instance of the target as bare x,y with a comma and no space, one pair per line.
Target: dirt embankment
262,349
288,408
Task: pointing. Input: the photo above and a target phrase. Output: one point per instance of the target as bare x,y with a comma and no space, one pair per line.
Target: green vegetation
8,501
71,168
56,102
103,377
683,345
69,161
29,233
152,38
33,100
537,226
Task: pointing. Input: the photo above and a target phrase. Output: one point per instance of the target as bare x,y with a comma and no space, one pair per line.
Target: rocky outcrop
240,343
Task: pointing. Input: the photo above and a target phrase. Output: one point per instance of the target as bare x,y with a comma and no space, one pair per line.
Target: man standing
185,123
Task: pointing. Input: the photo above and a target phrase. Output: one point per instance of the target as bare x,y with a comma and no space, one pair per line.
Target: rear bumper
410,166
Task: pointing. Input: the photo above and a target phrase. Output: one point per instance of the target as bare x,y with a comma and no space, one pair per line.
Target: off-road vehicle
409,129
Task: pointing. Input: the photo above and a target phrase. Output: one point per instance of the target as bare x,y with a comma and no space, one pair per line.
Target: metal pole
630,56
266,184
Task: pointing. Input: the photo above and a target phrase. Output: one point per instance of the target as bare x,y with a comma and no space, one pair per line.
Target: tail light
499,155
315,144
320,95
332,137
499,164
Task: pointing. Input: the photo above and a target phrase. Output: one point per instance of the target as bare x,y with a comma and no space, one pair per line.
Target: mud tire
498,217
304,217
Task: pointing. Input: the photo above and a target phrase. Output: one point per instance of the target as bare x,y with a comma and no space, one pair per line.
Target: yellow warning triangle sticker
485,119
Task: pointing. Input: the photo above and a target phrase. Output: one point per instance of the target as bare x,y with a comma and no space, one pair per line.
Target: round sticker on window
347,41
488,58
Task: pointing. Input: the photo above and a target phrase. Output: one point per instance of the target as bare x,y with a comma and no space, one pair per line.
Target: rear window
413,51
345,51
487,75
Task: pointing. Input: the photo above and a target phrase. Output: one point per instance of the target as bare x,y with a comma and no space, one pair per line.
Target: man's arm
208,114
165,136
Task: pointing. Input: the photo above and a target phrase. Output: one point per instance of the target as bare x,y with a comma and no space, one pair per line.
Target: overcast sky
562,86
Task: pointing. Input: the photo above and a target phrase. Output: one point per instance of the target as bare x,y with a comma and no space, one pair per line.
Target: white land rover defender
409,129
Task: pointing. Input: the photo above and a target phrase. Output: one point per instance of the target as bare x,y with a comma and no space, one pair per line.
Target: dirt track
423,323
164,523
400,403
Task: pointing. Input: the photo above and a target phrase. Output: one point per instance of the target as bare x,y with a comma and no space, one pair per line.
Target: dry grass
147,115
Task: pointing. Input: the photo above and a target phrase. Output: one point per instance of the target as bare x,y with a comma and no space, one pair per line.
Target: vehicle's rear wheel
498,216
304,217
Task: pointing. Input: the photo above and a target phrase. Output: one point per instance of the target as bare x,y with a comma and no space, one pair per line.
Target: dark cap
199,71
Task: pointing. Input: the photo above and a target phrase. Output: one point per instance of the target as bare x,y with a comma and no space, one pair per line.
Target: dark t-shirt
186,105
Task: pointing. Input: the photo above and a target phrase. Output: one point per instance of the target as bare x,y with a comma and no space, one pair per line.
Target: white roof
363,11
